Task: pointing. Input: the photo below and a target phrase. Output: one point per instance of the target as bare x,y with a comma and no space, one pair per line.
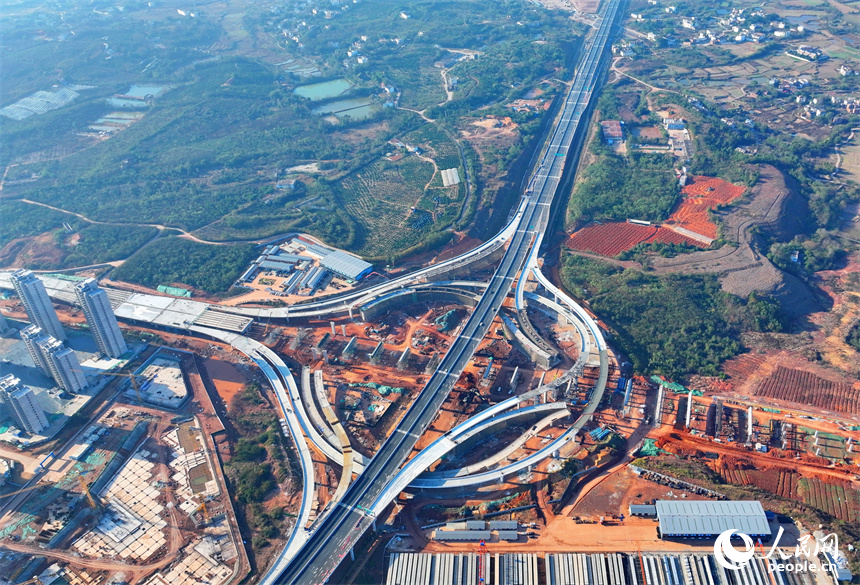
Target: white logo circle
729,557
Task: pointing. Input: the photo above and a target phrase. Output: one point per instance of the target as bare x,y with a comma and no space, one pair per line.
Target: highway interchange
311,555
330,542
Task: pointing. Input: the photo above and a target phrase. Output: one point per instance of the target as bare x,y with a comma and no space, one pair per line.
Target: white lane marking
407,433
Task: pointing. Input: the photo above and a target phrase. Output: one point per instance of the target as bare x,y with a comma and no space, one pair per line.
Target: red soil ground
610,239
227,379
702,194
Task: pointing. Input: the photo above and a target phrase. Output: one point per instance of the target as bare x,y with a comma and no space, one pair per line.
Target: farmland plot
612,238
392,207
437,146
787,486
837,500
804,387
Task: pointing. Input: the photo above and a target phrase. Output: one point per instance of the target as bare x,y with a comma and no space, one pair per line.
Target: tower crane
202,507
21,491
133,379
90,497
34,581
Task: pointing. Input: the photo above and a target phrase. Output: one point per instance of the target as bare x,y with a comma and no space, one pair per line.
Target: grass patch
259,465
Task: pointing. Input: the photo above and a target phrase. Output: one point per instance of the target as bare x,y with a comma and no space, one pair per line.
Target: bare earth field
743,268
228,380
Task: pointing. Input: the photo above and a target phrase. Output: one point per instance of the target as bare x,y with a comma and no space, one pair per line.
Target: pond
141,91
358,108
126,104
323,90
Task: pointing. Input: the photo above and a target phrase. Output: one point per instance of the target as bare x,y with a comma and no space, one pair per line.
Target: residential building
63,364
100,317
23,404
32,293
5,328
33,336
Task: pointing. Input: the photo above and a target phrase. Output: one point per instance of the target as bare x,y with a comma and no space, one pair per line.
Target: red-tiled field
667,236
700,195
610,239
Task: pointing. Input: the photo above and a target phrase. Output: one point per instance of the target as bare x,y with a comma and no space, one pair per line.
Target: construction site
136,495
545,447
299,268
633,450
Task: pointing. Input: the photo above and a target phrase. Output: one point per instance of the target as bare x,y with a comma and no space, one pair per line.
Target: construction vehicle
133,379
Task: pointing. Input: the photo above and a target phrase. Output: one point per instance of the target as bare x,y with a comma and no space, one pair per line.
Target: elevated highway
330,542
342,303
311,555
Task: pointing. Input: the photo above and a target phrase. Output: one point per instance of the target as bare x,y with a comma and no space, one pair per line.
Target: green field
381,198
208,155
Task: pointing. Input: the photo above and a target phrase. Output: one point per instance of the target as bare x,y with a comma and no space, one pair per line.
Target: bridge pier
376,353
689,409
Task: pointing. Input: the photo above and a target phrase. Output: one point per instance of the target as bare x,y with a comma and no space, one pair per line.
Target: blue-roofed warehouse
346,265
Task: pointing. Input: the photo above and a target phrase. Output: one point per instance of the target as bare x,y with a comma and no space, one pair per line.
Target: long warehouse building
708,519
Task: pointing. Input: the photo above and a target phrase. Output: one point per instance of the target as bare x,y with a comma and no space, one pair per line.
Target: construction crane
205,510
133,379
35,580
86,489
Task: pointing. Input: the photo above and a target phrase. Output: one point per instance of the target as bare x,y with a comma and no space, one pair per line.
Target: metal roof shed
346,265
643,510
706,518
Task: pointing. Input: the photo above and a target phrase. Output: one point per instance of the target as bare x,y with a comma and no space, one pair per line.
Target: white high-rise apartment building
63,364
32,337
32,293
100,318
24,405
5,328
